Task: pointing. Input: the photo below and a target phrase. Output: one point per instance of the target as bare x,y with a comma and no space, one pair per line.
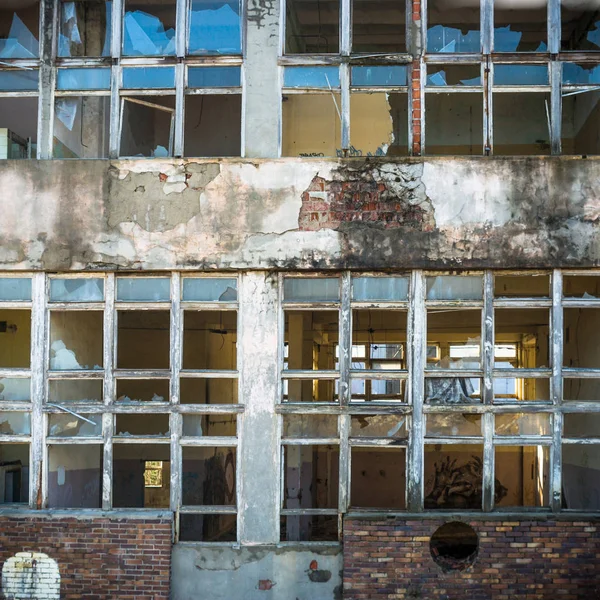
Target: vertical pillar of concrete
262,95
259,460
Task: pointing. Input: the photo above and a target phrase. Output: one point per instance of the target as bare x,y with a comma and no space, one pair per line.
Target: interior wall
15,345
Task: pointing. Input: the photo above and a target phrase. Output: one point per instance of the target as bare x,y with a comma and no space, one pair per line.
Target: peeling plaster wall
259,573
299,214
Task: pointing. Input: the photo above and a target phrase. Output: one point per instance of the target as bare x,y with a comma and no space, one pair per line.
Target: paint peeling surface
30,576
300,214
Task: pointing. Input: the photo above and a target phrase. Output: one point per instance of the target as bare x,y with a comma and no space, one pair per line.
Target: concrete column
262,95
259,460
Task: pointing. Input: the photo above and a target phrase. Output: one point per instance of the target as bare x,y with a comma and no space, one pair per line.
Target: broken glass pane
452,390
453,75
580,25
311,77
312,27
141,475
453,26
581,476
379,76
143,339
310,426
15,339
305,289
529,329
378,26
380,289
311,125
209,289
208,391
213,125
580,74
522,476
214,27
379,124
311,476
209,425
521,75
144,289
18,127
580,341
521,123
75,390
579,118
378,478
19,30
15,289
19,80
141,425
523,424
453,424
208,476
379,426
142,78
214,77
81,127
83,79
76,340
142,390
207,528
149,28
76,290
454,124
581,286
209,339
14,473
524,286
84,28
75,476
309,528
148,126
454,476
451,287
15,423
15,389
520,26
68,425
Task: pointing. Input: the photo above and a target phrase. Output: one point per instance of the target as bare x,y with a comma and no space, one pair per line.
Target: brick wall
537,559
97,558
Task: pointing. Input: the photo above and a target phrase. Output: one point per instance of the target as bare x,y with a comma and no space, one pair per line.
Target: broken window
77,290
515,424
580,25
142,425
202,390
312,27
142,390
453,424
15,338
581,476
463,75
18,127
310,426
15,423
522,286
15,389
19,29
453,26
143,339
214,27
209,289
74,390
84,28
378,478
581,327
76,340
522,476
379,426
14,473
211,425
529,330
74,476
72,424
520,26
149,28
378,26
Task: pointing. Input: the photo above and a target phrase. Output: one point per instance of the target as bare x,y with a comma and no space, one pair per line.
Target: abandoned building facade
300,299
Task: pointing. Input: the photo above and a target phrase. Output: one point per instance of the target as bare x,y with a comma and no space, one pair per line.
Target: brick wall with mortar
415,88
529,560
100,558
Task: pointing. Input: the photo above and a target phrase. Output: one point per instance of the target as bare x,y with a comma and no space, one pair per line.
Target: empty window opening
142,425
15,339
454,546
207,528
75,390
581,122
520,26
18,127
19,29
209,476
84,28
142,390
312,27
453,26
208,391
209,340
581,475
76,340
217,425
143,339
580,25
378,26
312,338
14,473
213,125
524,286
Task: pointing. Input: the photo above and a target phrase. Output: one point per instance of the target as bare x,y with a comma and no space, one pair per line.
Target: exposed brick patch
416,119
532,560
361,198
97,558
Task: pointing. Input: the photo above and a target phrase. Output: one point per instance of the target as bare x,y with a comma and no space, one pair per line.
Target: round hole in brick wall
454,546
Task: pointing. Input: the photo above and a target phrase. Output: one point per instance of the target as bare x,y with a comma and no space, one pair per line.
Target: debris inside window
142,390
454,546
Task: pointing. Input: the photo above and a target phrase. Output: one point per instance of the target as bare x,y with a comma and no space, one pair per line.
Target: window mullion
345,358
117,19
487,25
488,391
109,389
179,109
175,419
554,26
181,27
417,385
556,106
556,389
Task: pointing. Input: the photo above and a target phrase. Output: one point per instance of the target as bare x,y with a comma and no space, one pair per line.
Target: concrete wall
299,214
